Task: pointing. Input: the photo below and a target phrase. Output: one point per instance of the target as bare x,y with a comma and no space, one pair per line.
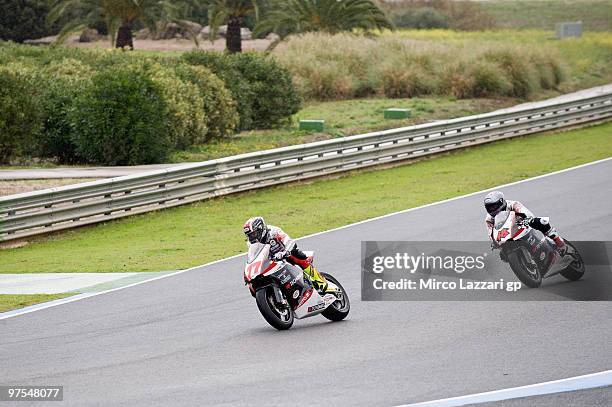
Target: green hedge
122,119
63,81
106,107
21,113
277,99
23,19
187,122
113,107
216,101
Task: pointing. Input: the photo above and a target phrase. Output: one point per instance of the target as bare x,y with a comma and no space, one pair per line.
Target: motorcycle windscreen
255,250
500,219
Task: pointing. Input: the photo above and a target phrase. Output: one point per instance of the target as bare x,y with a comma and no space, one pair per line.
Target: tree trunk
124,36
233,39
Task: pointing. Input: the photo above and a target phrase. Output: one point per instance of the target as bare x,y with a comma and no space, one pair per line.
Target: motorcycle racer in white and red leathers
495,202
282,247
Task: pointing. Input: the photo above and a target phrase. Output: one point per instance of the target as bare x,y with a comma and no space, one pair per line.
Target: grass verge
342,118
209,230
13,301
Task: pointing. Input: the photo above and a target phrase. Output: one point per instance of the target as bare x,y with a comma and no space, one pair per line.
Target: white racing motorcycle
284,292
531,255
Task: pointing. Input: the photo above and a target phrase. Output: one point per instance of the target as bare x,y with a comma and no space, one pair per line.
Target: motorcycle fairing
540,248
314,305
301,295
506,227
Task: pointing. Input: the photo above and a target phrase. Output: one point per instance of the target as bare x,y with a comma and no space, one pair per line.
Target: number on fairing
253,269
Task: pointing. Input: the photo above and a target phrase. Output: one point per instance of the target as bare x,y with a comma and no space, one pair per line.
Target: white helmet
494,203
256,229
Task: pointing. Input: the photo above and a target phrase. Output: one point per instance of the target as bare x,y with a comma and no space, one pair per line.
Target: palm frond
289,17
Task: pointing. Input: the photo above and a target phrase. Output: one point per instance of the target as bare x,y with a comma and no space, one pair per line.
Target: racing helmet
495,202
255,229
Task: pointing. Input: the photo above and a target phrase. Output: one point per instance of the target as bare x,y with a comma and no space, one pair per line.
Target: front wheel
277,315
576,269
340,308
525,268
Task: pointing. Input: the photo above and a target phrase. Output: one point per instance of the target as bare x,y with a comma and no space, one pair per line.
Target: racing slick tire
340,308
574,271
278,316
526,271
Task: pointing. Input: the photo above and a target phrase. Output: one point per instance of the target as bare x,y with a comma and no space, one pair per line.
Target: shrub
277,99
550,71
184,107
487,80
262,89
421,18
216,100
455,81
61,82
405,82
120,119
330,81
520,73
21,114
22,20
221,65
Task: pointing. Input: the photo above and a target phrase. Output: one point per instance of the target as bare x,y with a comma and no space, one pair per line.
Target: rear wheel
340,308
525,268
277,315
576,269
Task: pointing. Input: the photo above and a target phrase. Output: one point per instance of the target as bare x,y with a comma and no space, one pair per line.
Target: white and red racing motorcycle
284,292
531,255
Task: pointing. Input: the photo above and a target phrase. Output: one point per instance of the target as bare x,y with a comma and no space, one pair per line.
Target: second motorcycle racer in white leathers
495,202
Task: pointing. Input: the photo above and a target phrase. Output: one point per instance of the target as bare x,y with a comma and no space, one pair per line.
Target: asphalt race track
197,338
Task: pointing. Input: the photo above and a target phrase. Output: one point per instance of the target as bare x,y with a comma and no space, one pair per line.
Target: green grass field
543,14
342,118
195,234
9,302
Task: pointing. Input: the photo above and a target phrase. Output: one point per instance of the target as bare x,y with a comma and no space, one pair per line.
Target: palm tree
288,17
233,12
119,15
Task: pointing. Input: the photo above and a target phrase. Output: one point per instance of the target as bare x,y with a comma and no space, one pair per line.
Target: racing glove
280,255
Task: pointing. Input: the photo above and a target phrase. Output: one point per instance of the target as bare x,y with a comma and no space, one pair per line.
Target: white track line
55,303
589,381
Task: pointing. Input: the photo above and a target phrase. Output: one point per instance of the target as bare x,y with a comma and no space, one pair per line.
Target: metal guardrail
70,206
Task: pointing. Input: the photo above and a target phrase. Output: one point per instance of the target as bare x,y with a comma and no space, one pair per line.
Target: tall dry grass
347,66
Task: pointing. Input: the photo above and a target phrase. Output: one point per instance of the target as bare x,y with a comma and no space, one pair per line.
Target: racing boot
317,279
561,246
